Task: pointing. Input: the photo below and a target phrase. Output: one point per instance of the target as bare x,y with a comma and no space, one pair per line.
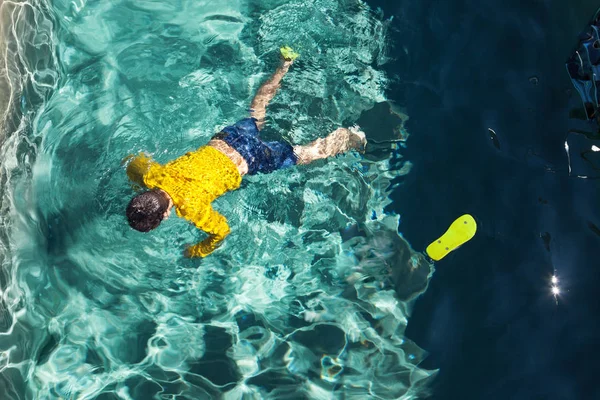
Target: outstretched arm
258,107
137,167
217,228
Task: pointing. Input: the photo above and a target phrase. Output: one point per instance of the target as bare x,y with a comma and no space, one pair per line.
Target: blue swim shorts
261,156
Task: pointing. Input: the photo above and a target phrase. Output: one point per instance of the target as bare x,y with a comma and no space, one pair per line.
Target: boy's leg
339,141
258,107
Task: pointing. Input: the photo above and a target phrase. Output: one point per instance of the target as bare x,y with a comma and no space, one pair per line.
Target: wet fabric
261,156
193,181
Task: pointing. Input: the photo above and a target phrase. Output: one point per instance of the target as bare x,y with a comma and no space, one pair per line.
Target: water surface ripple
310,295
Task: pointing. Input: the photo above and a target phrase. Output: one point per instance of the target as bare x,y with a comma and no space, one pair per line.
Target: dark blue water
488,318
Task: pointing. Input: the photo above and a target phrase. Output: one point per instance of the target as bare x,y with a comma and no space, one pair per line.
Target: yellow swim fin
460,232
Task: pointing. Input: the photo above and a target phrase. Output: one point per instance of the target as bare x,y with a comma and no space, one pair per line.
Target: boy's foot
358,139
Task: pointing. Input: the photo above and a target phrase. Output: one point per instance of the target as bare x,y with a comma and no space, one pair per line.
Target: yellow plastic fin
460,232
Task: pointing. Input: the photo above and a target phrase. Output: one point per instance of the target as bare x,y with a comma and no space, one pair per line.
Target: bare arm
217,228
258,108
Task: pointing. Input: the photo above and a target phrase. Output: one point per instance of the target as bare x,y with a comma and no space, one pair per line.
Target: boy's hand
188,252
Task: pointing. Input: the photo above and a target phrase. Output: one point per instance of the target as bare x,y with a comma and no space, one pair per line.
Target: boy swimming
193,181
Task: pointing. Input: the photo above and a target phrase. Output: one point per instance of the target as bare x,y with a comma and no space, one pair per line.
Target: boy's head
146,210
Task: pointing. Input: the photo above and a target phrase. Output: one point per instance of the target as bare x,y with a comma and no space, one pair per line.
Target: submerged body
193,181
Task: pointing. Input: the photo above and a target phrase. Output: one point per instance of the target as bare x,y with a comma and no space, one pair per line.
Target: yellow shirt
193,181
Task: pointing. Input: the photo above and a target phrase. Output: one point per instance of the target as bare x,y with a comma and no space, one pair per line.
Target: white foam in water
309,296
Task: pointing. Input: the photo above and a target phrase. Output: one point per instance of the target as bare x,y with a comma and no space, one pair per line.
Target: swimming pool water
309,296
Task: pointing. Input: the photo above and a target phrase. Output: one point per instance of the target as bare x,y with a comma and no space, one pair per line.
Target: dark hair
146,210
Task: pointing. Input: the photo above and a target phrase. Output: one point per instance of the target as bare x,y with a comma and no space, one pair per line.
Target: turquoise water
311,293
